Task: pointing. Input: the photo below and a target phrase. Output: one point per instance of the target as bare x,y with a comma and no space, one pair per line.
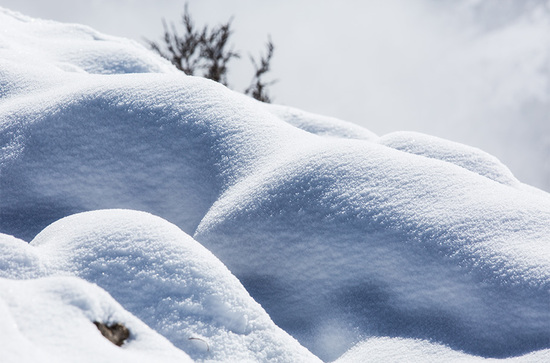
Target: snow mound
52,320
467,157
19,259
320,125
166,279
340,235
51,46
387,243
393,350
73,142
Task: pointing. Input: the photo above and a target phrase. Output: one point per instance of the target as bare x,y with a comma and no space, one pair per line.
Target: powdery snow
345,238
393,350
169,281
51,320
467,157
388,243
320,125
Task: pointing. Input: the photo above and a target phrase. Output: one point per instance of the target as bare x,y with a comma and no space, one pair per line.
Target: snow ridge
344,238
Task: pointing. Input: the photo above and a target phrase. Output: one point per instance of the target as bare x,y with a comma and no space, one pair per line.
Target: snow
320,125
393,350
464,156
190,205
51,320
388,243
183,291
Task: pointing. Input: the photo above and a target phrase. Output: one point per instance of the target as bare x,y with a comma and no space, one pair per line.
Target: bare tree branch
209,50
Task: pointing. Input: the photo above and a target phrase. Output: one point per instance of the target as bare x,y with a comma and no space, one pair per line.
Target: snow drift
50,320
339,234
158,273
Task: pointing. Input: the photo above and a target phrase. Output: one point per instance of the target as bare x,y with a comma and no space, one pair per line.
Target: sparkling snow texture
345,238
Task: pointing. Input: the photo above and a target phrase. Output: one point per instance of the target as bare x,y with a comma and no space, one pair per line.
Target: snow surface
50,320
169,281
409,350
400,247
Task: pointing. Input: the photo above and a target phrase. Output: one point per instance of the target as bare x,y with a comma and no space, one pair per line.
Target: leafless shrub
208,50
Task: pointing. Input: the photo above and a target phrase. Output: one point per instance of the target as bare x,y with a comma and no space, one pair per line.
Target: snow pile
51,320
46,47
169,281
345,239
394,350
320,125
467,157
370,240
155,271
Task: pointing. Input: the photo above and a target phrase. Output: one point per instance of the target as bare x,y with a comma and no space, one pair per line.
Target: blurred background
472,71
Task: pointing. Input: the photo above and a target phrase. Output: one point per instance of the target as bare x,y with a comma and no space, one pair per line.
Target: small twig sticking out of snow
202,340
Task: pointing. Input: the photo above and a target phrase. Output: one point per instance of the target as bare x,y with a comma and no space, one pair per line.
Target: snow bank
467,157
19,259
49,46
338,234
394,350
155,271
320,125
384,242
51,320
169,281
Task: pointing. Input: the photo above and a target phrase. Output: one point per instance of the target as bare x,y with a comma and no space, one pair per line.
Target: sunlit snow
218,228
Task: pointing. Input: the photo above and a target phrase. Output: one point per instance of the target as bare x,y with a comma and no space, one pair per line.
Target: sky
471,71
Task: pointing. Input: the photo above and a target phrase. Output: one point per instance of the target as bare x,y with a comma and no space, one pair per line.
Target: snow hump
345,238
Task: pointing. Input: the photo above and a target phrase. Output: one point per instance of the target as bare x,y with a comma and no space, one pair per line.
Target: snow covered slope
51,320
340,235
155,271
169,281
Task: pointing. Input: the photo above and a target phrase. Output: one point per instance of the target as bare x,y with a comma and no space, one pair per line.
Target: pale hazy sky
472,71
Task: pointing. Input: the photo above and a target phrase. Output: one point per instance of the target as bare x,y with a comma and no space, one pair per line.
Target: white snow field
187,204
